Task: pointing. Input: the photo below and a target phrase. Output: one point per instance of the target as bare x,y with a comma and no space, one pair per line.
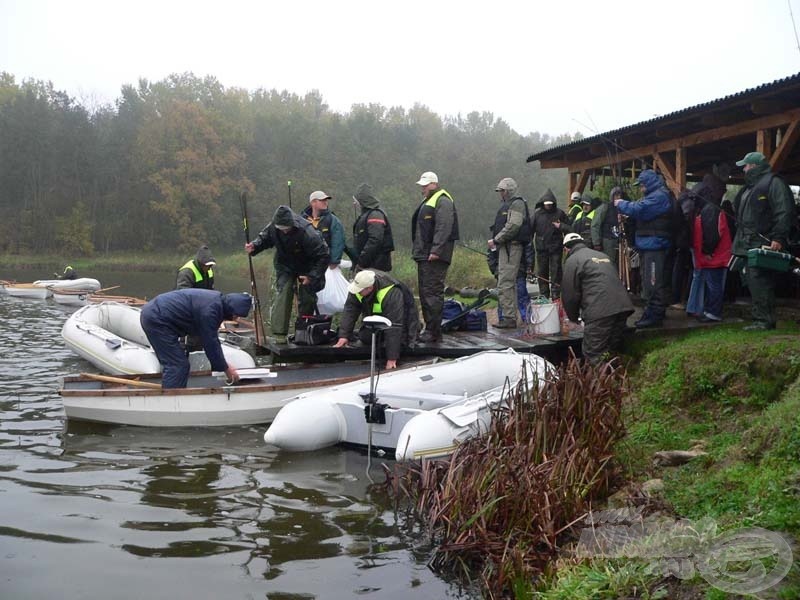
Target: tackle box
769,259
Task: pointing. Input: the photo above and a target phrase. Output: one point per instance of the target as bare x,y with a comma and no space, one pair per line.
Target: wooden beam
680,169
764,142
597,150
582,181
721,119
788,142
667,169
703,137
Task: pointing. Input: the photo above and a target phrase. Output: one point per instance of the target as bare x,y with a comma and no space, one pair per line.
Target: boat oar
258,321
120,380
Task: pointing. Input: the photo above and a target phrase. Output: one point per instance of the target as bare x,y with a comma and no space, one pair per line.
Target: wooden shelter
686,144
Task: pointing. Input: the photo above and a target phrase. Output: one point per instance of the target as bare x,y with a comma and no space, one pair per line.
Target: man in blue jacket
190,311
654,226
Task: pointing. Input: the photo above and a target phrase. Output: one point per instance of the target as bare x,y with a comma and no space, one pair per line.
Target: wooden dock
554,348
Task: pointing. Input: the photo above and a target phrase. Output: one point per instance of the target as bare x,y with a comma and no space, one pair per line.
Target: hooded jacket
198,313
653,213
372,233
300,251
547,238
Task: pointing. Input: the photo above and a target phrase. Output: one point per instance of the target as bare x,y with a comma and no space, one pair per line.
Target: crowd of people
580,256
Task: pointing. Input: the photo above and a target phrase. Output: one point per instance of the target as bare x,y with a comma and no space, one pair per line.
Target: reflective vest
426,213
198,274
377,306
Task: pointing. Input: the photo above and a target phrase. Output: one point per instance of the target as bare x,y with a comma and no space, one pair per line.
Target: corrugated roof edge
791,79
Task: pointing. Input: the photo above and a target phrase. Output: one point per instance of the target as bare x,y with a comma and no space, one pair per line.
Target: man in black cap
591,290
197,272
302,256
190,312
764,217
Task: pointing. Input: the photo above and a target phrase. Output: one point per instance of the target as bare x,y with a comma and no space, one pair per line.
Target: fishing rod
257,319
289,187
470,248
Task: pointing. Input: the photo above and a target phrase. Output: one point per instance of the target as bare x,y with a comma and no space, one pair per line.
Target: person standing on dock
373,292
372,233
653,215
301,257
434,230
549,223
327,225
592,291
190,312
510,234
764,217
197,272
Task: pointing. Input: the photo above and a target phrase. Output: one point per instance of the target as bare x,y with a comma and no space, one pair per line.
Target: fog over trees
163,168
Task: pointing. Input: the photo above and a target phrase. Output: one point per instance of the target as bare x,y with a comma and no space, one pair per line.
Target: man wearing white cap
574,208
374,292
510,233
434,230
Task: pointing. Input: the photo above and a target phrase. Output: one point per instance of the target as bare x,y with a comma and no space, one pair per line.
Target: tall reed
502,503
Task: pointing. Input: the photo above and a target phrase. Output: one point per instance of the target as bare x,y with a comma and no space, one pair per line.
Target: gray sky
551,66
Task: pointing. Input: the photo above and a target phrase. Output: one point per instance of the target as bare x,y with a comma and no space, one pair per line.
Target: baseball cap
575,196
318,195
507,184
428,177
752,158
361,281
572,238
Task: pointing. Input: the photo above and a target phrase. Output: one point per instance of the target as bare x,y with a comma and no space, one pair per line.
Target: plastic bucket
544,318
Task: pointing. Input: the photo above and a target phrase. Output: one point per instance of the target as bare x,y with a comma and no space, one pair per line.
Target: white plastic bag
331,298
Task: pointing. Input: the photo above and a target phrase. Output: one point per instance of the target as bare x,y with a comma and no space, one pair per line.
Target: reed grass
502,503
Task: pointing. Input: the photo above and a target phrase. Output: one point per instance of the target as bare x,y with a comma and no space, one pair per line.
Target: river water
96,511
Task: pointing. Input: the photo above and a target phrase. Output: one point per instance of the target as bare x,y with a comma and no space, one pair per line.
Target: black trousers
430,278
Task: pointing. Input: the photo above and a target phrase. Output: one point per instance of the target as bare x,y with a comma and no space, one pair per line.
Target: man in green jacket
434,230
511,232
592,291
764,210
198,272
374,292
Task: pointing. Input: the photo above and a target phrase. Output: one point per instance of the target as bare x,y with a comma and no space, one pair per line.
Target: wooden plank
764,142
786,146
680,169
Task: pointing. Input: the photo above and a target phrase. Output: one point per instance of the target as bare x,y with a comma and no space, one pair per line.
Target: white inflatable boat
110,337
422,412
43,288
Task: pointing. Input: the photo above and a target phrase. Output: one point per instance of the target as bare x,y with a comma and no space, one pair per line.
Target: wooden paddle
120,380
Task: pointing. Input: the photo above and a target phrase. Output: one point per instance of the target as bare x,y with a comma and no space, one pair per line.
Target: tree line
163,168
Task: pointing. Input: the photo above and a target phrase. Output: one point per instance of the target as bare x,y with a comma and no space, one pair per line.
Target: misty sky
553,67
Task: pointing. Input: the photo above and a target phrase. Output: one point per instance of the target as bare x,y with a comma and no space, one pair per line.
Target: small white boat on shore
110,336
27,290
421,412
44,288
207,401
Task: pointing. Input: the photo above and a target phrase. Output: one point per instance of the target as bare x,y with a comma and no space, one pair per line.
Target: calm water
93,511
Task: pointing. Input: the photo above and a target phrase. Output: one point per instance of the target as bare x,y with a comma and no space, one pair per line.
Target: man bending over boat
189,311
374,292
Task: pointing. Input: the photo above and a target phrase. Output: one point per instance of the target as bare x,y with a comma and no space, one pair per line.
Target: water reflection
200,512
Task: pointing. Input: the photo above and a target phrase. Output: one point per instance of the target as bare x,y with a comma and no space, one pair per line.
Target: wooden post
680,168
764,142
